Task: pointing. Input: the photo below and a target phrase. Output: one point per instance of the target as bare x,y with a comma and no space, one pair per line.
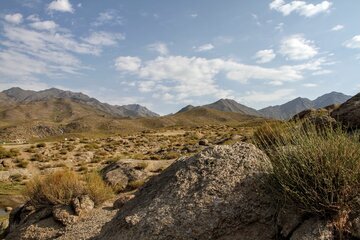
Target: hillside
293,107
20,96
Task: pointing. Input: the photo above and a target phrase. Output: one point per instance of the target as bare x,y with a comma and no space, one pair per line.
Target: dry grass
57,188
97,189
319,170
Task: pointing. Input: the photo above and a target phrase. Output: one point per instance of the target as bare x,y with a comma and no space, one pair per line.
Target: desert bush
136,184
53,189
61,187
317,170
22,163
274,133
97,189
41,145
8,154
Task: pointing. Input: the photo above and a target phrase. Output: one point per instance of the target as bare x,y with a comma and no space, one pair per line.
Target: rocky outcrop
28,222
349,113
120,175
218,194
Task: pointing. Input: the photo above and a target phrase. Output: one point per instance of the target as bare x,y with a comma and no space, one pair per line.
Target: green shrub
8,154
317,170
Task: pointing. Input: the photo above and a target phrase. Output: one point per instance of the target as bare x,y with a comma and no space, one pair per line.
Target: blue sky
167,54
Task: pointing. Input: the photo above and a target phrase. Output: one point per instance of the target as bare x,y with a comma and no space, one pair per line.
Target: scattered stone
8,209
83,205
65,215
123,198
204,142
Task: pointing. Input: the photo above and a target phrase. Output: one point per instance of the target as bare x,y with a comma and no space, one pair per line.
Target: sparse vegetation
61,187
318,170
97,189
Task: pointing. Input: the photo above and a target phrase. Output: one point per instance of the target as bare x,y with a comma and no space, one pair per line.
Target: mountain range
289,109
17,96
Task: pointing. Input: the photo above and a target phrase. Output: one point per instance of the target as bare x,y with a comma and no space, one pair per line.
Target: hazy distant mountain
289,109
330,98
20,96
229,105
185,109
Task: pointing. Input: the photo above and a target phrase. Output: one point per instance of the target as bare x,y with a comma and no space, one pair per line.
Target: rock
123,198
83,205
289,218
204,142
65,215
349,113
314,229
7,163
219,193
120,174
8,209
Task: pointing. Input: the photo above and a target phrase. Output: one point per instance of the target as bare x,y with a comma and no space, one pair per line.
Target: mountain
185,109
20,96
289,109
349,113
330,99
226,105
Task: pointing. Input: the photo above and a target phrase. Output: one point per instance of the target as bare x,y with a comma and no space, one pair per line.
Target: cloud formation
204,48
179,77
353,43
337,28
15,18
159,47
300,7
61,6
296,47
265,56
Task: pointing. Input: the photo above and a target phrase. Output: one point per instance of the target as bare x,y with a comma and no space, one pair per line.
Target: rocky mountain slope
226,105
289,109
23,97
349,113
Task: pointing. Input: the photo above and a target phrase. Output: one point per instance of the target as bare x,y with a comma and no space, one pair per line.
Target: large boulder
349,113
220,193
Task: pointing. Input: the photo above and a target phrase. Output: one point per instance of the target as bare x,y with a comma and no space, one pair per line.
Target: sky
165,54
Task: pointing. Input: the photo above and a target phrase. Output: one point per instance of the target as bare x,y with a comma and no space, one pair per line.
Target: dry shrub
97,189
57,188
317,169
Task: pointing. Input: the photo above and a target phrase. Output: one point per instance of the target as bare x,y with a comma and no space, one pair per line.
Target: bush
53,189
97,189
41,145
61,187
317,170
8,154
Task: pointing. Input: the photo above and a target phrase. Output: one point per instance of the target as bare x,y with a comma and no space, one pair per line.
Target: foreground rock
218,194
349,113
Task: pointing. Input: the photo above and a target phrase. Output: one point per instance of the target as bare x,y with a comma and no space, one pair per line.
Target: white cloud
15,18
353,43
111,17
159,47
337,28
310,85
194,15
300,7
296,47
27,52
185,77
61,6
204,48
321,72
265,56
104,38
280,27
33,18
261,97
45,25
131,64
